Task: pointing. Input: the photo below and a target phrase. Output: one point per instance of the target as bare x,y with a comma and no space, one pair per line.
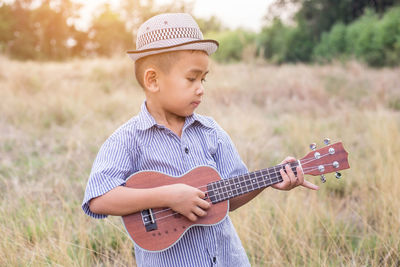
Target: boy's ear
151,80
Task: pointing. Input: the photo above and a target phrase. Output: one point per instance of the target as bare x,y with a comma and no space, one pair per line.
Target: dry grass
54,117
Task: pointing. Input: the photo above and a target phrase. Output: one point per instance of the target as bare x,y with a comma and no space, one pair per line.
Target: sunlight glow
232,13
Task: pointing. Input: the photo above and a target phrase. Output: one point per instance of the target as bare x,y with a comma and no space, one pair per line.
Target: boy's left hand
290,180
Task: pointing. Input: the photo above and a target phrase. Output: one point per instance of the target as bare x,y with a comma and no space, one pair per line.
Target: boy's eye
194,79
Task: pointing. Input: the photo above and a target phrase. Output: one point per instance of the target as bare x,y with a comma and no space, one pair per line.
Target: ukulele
160,228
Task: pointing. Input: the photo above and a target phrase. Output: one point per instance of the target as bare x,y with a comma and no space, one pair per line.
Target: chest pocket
202,147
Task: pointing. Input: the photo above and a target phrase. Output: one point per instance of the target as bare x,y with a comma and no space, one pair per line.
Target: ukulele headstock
331,158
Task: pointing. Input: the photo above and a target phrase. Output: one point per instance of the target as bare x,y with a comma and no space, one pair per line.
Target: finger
286,180
288,159
203,204
309,185
300,175
201,194
290,173
199,212
192,217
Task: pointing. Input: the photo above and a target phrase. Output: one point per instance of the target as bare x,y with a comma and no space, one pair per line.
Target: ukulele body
160,228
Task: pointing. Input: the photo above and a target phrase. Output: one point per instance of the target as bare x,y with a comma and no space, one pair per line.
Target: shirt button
214,259
186,150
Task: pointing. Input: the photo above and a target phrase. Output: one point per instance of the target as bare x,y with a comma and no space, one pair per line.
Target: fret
269,175
220,191
211,193
249,183
261,179
224,189
236,190
217,191
266,174
254,180
255,183
276,175
242,183
231,188
214,191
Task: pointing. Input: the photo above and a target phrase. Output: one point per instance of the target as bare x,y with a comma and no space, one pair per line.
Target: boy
167,136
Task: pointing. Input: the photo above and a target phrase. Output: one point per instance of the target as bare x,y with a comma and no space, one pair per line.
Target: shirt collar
146,121
201,119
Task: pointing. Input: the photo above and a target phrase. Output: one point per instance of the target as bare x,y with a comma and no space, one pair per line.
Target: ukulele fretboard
229,188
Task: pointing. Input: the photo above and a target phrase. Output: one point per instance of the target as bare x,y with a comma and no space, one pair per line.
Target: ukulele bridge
148,220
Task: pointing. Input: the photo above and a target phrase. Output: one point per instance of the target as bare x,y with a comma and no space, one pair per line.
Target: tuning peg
327,141
323,178
338,175
313,146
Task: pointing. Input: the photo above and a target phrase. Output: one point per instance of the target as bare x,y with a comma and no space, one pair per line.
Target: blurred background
287,73
279,31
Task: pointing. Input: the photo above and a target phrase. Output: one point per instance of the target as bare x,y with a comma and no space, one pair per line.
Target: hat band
168,33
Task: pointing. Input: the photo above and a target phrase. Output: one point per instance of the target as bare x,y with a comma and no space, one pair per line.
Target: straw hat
170,32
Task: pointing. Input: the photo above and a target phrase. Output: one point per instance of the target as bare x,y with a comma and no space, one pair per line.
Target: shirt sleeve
227,158
111,168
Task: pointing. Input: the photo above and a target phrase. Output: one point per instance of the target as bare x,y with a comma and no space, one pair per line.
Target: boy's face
181,89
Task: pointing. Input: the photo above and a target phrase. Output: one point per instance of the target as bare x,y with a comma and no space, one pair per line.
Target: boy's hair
162,62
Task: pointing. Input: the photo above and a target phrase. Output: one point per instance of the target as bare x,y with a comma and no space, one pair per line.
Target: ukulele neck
229,188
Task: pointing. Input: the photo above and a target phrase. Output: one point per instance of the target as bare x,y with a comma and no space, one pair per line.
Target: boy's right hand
186,200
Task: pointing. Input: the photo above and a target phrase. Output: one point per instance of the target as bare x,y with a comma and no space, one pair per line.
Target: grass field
55,116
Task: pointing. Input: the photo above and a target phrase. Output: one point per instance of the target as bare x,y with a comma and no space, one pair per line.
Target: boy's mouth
196,103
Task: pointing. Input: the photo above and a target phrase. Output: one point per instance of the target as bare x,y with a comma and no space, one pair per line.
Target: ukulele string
280,166
174,213
222,187
221,194
311,159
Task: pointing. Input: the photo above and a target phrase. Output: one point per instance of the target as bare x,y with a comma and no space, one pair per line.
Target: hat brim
209,46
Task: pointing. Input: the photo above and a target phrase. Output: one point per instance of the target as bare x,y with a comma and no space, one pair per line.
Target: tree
109,34
7,24
315,18
36,30
320,15
272,41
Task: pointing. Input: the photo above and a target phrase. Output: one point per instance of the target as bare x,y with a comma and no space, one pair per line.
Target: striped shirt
142,144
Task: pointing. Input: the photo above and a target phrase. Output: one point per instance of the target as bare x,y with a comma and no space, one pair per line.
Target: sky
232,13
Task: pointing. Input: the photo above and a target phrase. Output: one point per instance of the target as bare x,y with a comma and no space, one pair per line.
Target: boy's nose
200,90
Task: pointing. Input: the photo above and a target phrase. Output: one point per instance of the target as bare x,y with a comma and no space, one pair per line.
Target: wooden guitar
158,229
